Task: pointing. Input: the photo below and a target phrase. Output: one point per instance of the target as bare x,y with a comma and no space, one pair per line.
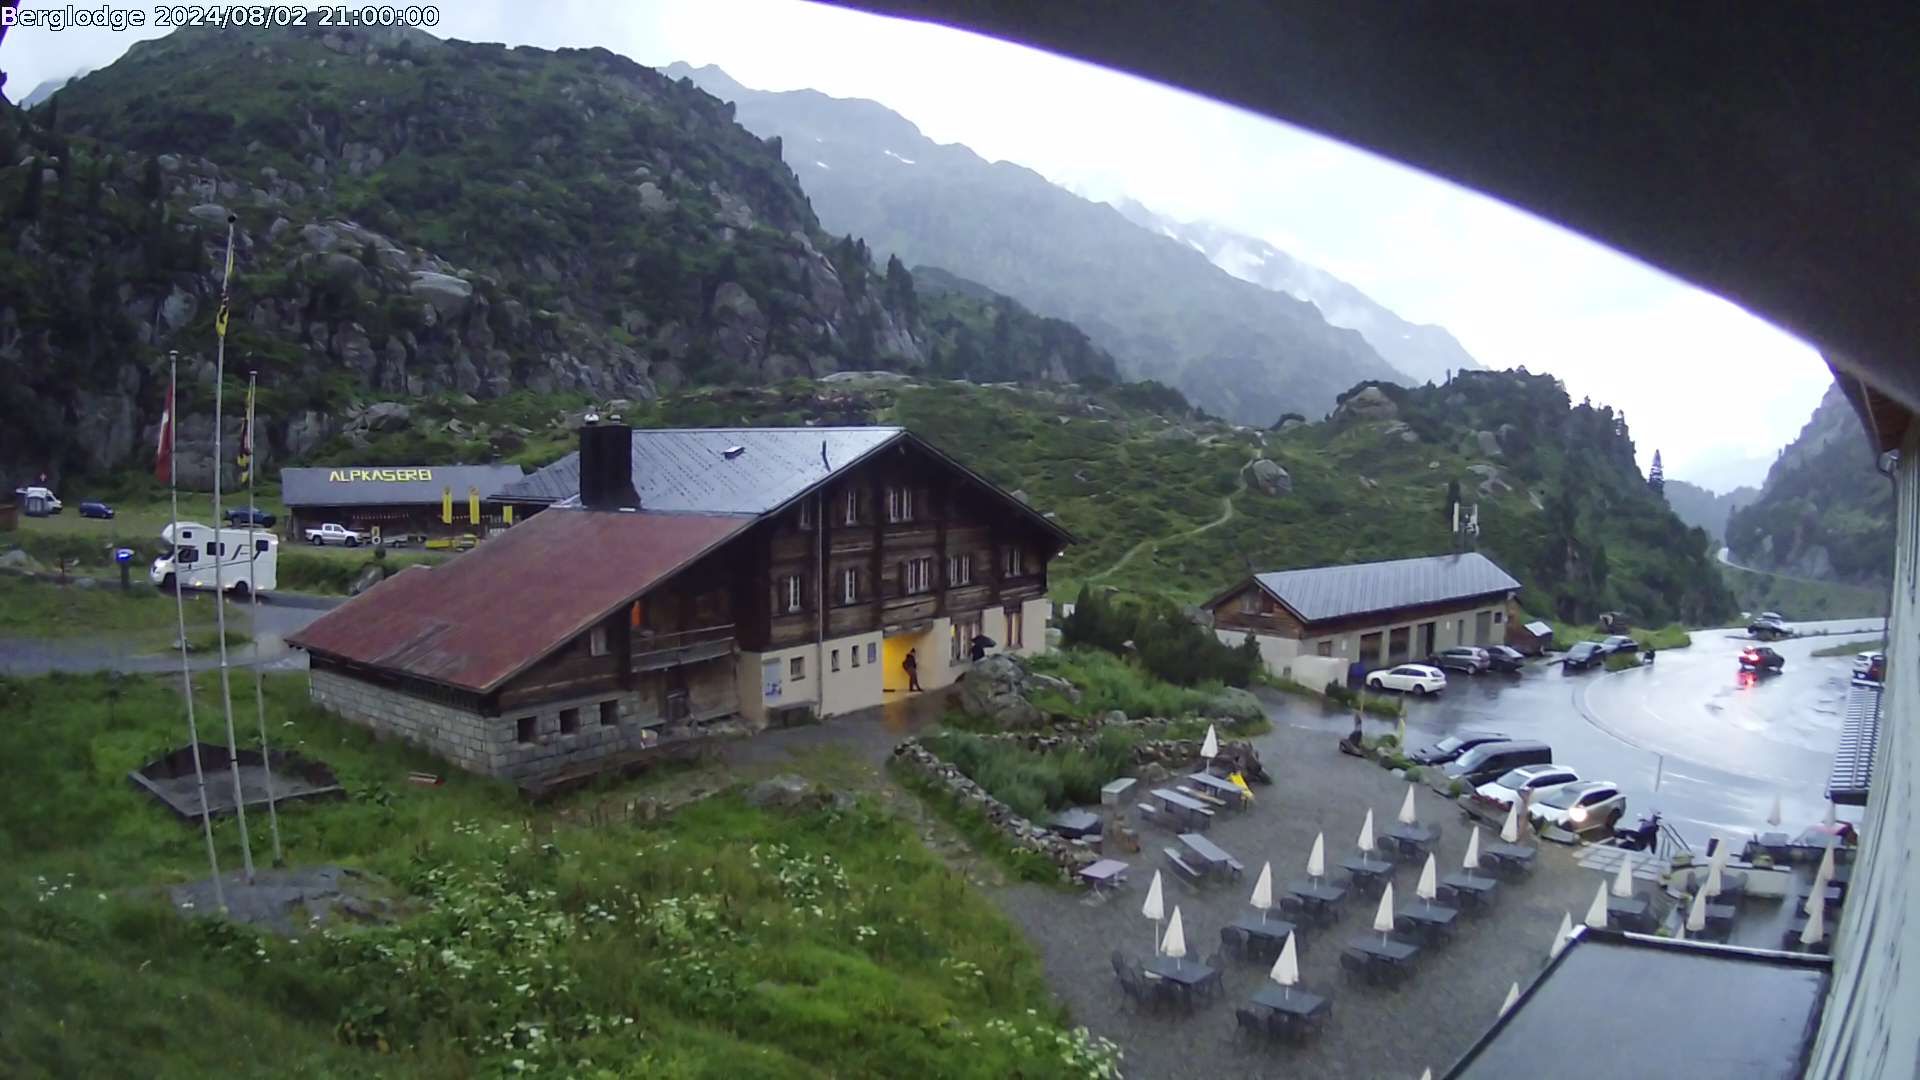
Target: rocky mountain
1825,511
415,216
47,89
1159,306
1423,352
1697,506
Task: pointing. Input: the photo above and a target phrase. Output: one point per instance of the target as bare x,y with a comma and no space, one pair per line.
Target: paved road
1690,736
274,620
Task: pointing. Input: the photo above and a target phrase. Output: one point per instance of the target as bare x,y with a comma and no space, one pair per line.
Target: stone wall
1024,835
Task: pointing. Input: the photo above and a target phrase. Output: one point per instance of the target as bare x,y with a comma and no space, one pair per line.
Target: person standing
912,666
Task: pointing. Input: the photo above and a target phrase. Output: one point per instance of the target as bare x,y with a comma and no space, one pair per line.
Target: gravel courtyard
1428,1021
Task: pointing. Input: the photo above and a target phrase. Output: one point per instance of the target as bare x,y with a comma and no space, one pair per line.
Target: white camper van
190,558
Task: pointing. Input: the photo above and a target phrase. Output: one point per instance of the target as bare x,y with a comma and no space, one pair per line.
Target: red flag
163,454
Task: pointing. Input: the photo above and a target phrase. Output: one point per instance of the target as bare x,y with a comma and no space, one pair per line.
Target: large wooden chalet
678,579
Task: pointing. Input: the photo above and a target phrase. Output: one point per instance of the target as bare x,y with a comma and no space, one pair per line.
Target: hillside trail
1226,514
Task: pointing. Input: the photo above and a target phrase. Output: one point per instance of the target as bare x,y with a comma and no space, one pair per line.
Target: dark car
239,514
1585,654
1453,746
1488,760
1502,658
1761,658
1769,629
1620,643
1467,658
95,509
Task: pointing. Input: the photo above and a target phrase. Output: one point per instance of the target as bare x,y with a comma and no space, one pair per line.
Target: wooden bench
1181,866
1200,796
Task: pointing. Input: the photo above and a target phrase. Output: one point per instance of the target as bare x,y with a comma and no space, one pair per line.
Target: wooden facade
1270,616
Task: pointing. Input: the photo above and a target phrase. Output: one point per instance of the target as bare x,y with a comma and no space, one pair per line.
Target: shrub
1031,783
1622,661
1456,789
1413,772
1166,642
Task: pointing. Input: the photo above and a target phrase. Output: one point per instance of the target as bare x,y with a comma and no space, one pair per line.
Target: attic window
732,452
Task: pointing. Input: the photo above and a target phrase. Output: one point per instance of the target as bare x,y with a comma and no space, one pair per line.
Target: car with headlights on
1580,807
1503,790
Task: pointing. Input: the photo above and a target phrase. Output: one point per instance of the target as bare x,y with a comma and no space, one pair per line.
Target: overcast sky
1717,390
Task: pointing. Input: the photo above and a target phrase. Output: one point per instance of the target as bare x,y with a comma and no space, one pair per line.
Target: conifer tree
1657,476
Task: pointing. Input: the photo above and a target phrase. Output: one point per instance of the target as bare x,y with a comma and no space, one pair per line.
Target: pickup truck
333,534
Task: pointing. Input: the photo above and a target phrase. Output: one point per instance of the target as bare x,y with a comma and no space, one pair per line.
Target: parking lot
1690,736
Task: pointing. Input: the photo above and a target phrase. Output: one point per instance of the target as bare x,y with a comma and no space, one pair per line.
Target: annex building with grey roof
398,500
1376,614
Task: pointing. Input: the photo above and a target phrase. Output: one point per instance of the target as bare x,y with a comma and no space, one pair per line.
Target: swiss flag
163,453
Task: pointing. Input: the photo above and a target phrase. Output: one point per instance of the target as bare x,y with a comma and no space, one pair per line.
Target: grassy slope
725,941
1799,599
141,619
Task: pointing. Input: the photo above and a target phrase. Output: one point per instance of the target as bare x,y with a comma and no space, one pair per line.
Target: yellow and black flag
245,458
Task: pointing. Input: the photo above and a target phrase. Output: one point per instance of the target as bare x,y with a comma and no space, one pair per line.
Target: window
1499,617
899,504
836,660
1325,648
919,575
854,655
806,514
1016,628
525,728
217,549
853,506
1016,562
261,546
569,721
1250,602
797,668
961,637
187,556
770,687
609,713
597,641
959,570
849,586
791,594
873,652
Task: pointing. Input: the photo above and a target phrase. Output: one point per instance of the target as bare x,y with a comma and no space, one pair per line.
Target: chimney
606,465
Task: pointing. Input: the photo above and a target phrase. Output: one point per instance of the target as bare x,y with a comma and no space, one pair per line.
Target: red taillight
1749,655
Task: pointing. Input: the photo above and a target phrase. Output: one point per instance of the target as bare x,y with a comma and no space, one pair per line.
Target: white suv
1409,678
1538,779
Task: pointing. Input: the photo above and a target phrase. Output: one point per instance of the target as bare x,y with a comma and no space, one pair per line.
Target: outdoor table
1185,974
1720,916
1105,874
1470,892
1226,788
1776,845
1413,840
1632,912
1320,899
1511,857
1297,1005
1369,872
1212,854
1271,932
1790,938
1076,823
1436,923
1389,955
1192,810
1732,882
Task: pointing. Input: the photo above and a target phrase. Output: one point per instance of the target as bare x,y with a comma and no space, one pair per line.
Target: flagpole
167,424
220,560
253,619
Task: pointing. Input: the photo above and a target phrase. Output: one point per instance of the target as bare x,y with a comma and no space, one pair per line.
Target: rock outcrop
1270,476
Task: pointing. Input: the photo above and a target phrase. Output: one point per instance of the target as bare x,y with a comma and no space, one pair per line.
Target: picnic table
1470,892
1835,895
1073,823
1227,790
1105,874
1720,917
1270,932
1183,973
1368,872
1776,845
1790,938
1732,882
1321,899
1210,853
1412,841
1512,858
1376,957
1193,811
1434,922
1298,1006
1631,912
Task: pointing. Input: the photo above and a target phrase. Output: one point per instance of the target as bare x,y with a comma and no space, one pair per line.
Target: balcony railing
652,651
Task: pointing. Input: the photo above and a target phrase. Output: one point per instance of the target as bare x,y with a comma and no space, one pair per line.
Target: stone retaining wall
1021,833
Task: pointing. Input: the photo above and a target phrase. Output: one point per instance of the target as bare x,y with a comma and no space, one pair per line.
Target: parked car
1870,666
1583,806
1584,654
239,515
1409,678
1488,760
36,501
1504,658
1468,658
1504,789
93,508
1773,616
1769,628
1619,643
1761,658
1453,746
331,533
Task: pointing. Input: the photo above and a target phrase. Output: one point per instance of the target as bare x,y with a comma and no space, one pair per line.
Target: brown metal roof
482,618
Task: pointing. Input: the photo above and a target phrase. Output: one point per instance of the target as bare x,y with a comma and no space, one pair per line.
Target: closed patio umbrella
1286,969
1774,817
1513,997
1833,815
1472,861
1210,747
1821,878
1815,930
1263,891
1697,914
1155,908
1716,866
1366,833
1597,911
1510,832
1383,915
1175,944
1428,888
1317,858
1409,815
1562,936
1623,881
